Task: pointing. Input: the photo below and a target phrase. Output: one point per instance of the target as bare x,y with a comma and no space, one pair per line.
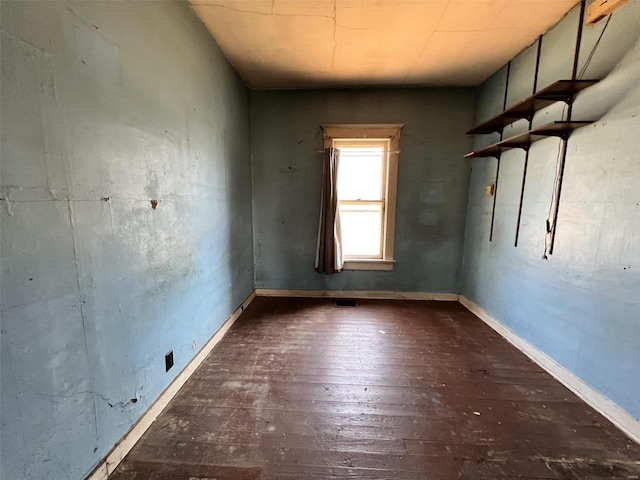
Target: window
367,185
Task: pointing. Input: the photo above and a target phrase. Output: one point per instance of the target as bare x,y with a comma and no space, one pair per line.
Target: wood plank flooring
302,389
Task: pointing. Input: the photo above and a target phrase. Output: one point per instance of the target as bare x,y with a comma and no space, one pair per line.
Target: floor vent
346,303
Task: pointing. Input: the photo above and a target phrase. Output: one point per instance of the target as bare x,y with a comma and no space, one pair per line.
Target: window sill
363,264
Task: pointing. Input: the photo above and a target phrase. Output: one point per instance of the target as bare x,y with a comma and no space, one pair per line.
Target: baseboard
117,454
616,415
379,295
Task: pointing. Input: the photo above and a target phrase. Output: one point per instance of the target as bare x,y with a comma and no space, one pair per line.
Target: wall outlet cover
168,361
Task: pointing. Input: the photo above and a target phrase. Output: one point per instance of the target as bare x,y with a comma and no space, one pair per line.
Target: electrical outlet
193,345
168,361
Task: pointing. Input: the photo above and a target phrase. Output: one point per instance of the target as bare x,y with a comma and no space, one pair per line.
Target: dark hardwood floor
302,389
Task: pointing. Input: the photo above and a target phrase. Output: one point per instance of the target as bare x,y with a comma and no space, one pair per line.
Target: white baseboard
616,415
117,454
380,295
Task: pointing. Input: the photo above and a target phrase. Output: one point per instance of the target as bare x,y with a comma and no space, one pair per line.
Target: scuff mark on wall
433,192
8,201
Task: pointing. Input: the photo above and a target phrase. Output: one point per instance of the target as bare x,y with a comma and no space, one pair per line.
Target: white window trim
374,131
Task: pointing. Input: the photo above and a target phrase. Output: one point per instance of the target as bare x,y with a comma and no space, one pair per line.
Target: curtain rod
370,154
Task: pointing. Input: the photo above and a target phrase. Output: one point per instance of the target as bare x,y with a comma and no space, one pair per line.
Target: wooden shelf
560,91
524,140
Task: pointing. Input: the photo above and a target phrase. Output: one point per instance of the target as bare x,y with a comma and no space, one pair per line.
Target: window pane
360,173
361,230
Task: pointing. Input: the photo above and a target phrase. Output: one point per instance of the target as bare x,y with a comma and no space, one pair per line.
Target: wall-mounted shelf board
553,129
560,91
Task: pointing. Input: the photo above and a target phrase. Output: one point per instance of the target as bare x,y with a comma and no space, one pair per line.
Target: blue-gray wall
432,185
104,108
582,305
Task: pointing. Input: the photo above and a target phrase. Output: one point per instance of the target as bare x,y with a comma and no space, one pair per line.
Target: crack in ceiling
351,43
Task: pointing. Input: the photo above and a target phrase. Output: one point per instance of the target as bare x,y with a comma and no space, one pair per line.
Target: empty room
320,239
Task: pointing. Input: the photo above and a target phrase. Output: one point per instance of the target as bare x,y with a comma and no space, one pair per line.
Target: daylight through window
366,188
361,196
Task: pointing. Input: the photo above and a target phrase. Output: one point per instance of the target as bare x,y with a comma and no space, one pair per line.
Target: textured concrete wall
105,108
581,306
432,185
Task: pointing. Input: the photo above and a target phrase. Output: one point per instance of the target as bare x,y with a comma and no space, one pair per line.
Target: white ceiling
351,43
